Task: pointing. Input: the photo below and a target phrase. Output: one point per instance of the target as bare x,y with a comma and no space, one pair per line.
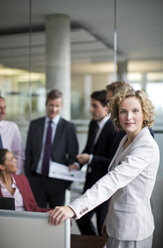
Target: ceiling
139,29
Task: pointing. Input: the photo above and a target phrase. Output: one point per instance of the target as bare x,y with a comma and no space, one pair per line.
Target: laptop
7,203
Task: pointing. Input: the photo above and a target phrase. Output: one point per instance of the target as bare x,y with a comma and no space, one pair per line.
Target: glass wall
15,87
23,67
23,60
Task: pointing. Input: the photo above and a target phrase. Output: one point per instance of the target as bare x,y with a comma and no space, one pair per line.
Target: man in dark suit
50,138
96,154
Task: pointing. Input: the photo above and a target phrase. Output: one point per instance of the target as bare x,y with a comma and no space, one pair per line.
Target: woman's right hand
59,214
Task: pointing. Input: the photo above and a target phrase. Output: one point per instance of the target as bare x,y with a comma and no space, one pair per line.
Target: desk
87,241
34,229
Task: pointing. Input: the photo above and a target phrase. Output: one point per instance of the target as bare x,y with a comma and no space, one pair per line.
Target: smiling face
53,107
131,116
10,165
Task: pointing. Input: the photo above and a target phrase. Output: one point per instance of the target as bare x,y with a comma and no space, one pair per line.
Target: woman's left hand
59,214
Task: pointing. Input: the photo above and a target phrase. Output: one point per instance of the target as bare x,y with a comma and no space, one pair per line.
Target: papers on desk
61,171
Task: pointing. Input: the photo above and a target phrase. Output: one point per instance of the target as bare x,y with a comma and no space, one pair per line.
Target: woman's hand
59,214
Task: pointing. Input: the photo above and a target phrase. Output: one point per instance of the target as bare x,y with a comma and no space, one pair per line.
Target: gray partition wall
31,230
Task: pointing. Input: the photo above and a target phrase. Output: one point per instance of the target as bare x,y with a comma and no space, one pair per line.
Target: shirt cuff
90,158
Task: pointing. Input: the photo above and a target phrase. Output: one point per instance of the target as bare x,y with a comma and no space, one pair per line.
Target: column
87,93
122,70
58,58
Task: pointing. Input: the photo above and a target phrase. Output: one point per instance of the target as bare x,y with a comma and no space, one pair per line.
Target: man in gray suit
50,138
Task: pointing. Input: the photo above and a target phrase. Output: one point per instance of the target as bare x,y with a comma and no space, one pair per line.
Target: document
60,171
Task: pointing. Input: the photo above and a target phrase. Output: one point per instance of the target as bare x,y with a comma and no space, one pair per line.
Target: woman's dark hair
3,155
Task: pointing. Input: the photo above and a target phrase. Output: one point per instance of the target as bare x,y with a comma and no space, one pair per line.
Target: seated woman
16,186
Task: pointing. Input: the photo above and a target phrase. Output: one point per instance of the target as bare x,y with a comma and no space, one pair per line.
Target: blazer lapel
102,134
20,185
126,151
1,193
58,132
41,132
112,163
91,137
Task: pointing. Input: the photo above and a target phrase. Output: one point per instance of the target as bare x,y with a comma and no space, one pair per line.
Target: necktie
47,150
95,131
94,140
1,144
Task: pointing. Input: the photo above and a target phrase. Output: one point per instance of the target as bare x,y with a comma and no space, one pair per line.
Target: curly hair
147,108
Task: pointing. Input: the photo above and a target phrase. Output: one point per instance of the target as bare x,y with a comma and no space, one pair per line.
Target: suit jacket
121,133
130,180
101,152
64,147
26,192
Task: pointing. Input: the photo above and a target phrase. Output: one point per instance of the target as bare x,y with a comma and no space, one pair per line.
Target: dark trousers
48,191
85,223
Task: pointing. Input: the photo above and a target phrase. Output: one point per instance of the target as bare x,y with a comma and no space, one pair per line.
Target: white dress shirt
11,140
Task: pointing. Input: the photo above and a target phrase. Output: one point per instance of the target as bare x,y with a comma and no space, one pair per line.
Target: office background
92,57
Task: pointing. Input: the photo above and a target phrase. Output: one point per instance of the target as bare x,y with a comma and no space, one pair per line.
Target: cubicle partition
31,230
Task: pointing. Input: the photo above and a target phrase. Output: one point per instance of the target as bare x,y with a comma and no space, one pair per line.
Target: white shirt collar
55,119
103,121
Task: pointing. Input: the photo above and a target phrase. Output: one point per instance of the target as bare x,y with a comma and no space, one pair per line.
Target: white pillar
58,58
122,70
87,93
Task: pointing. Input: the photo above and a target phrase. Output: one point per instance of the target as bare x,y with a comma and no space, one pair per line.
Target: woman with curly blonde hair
130,179
147,107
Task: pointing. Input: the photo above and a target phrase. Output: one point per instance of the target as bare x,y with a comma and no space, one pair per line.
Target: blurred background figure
97,153
114,88
16,186
50,138
10,137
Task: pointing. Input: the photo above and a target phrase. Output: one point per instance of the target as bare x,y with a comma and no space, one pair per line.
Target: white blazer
130,180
